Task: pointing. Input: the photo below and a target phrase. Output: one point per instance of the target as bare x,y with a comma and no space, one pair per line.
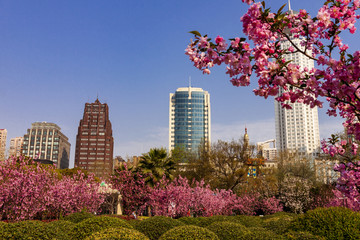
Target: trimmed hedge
277,225
60,230
190,220
248,221
78,217
302,236
331,223
154,227
261,233
118,233
189,232
25,230
228,230
96,224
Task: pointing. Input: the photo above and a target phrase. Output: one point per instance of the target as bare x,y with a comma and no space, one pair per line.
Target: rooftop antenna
189,81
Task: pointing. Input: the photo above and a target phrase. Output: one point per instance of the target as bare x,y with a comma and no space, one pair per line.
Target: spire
289,5
189,81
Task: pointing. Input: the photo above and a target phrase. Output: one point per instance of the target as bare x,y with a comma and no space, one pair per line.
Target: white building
15,146
3,134
297,129
189,118
267,151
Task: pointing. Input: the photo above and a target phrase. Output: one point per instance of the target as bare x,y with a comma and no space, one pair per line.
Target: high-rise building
15,146
94,141
3,134
297,129
189,118
45,141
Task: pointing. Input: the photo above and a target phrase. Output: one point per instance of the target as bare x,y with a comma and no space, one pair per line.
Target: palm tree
157,163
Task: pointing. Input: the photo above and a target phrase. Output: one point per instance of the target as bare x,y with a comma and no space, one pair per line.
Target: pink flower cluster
315,38
339,147
33,191
179,198
347,193
133,189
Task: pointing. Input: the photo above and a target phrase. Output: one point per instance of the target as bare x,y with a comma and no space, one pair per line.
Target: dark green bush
25,230
96,224
227,230
190,220
291,235
260,233
189,232
60,229
277,225
154,227
283,215
202,221
248,221
78,217
331,223
134,222
118,233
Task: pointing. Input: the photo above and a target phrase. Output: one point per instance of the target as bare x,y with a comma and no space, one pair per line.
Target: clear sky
57,55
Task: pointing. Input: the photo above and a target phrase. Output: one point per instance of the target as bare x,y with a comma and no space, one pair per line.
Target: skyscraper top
289,5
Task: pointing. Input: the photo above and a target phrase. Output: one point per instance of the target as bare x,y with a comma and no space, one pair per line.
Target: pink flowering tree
179,198
29,190
261,52
318,38
133,189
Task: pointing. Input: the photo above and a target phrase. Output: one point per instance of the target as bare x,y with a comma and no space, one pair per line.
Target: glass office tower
189,118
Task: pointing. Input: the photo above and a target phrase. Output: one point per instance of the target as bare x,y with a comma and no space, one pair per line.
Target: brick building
94,141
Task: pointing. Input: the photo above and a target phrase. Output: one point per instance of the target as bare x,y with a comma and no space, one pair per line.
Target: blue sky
57,55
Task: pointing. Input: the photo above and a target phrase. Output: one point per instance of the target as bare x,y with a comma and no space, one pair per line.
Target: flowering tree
133,189
179,198
33,191
335,77
316,38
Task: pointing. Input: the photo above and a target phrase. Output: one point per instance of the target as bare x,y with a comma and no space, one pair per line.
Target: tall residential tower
94,141
189,118
15,146
297,129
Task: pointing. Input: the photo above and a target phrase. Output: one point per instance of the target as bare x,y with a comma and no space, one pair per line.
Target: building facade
297,129
94,141
46,141
189,118
267,149
15,146
3,135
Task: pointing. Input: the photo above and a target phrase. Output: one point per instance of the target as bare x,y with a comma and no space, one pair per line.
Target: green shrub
190,220
285,215
189,232
60,229
154,227
202,221
227,230
248,221
118,233
331,223
134,222
277,225
78,216
260,233
291,235
25,230
96,224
